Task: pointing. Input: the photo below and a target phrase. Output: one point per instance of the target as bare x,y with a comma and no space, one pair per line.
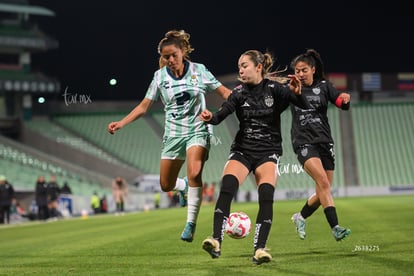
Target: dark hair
180,39
313,59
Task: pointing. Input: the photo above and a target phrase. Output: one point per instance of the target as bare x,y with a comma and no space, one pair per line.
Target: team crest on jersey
269,101
193,80
316,90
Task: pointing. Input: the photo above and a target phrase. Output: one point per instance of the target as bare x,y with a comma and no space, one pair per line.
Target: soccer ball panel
238,225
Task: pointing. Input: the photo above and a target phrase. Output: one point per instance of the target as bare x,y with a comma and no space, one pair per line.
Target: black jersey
311,126
6,195
52,190
258,110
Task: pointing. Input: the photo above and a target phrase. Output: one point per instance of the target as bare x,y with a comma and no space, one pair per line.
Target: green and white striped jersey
183,98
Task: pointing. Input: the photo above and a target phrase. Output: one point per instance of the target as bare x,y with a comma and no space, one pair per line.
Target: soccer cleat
212,246
340,233
261,256
183,194
300,224
188,232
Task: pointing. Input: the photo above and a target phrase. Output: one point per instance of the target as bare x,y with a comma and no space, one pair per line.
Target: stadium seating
384,134
381,139
22,170
136,144
61,135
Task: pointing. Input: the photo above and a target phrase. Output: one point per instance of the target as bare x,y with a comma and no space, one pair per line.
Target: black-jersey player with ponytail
258,102
312,139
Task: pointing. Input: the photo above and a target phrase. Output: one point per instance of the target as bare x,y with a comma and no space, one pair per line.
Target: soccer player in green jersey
181,84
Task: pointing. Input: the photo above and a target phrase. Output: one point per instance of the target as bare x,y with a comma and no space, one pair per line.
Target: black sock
264,215
307,210
229,186
330,213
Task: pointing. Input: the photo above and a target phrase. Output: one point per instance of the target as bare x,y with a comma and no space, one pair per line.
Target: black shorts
252,161
325,152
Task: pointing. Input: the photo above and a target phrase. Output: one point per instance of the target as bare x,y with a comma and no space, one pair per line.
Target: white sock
194,199
179,184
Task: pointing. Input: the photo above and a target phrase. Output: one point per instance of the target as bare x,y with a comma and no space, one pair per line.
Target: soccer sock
194,202
264,215
307,210
179,184
330,213
229,186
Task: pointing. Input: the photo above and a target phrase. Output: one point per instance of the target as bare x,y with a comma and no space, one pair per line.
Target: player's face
248,72
173,57
305,73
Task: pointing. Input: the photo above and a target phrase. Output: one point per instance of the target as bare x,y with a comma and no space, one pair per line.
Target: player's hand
345,97
295,84
114,126
206,115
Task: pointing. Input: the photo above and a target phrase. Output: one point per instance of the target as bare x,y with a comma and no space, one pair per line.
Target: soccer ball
238,225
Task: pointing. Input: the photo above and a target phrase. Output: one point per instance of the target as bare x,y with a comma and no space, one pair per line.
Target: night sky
104,39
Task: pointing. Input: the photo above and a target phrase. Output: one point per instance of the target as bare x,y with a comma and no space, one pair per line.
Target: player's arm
217,117
140,110
223,91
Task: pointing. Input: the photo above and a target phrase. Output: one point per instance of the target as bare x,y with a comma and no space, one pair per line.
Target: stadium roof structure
17,33
19,37
25,9
14,40
20,82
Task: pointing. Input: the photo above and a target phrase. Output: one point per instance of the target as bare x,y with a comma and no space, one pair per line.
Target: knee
324,184
166,186
266,192
229,184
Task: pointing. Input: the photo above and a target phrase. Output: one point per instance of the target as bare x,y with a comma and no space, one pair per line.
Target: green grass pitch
148,243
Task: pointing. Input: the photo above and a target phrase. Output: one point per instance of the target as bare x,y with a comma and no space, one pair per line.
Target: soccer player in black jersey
258,102
312,140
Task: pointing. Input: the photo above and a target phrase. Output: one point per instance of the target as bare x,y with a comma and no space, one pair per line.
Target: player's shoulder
267,83
238,89
196,66
324,83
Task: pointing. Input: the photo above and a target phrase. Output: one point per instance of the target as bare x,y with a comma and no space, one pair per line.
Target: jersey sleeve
227,108
332,92
333,95
153,92
290,97
209,79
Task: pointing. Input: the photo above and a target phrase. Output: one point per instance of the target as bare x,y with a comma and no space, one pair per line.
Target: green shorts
176,147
